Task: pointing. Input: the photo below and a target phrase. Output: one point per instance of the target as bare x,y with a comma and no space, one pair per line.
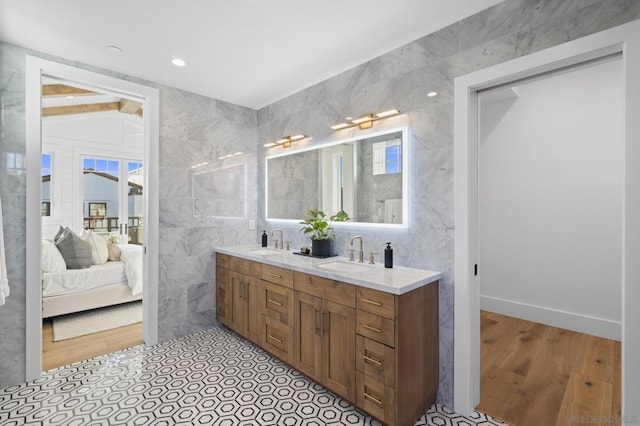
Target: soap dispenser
388,256
264,238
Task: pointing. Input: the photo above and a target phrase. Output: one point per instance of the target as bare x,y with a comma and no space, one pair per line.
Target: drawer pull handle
275,275
275,339
368,327
372,360
376,400
274,302
372,302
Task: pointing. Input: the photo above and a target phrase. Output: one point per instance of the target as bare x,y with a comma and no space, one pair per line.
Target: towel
4,281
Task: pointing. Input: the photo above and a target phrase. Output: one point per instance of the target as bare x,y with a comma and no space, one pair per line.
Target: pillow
99,248
59,234
52,260
114,252
75,251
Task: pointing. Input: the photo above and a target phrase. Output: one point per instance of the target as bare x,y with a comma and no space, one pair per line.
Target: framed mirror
365,176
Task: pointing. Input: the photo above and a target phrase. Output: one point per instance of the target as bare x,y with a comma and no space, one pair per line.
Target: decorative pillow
99,249
52,260
114,252
75,251
59,234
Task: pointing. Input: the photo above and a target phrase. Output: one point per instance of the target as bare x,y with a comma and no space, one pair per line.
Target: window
97,209
46,184
387,157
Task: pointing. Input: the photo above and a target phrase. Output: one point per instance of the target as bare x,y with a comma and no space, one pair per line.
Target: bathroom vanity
367,333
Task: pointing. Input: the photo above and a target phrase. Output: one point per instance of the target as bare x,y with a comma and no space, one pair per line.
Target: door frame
623,39
36,68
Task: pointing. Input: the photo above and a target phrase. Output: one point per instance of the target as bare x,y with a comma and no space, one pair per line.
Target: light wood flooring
57,354
533,374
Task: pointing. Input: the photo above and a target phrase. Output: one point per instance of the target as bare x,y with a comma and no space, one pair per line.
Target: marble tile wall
401,79
193,129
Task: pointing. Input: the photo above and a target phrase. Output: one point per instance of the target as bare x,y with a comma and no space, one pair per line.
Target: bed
112,283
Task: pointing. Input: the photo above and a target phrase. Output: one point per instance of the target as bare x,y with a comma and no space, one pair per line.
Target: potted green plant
319,229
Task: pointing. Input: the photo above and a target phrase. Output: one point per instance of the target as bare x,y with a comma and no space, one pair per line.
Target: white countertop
396,280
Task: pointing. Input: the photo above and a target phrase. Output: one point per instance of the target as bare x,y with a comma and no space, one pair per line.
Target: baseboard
553,317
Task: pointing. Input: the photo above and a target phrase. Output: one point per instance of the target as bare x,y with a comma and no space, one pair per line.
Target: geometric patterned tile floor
209,378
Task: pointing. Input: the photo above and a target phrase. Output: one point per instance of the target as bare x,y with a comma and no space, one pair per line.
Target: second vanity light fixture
285,141
365,121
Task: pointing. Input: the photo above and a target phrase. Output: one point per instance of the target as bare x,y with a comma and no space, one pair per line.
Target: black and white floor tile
209,378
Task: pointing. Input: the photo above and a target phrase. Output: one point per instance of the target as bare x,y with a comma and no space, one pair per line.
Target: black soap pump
388,256
264,238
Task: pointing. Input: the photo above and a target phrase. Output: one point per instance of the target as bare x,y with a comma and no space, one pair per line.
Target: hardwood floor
533,374
57,354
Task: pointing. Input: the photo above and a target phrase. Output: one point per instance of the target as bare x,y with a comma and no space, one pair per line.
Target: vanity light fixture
285,141
432,94
365,121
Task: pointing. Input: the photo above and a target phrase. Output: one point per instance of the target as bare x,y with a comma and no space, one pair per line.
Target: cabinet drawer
277,339
375,398
222,260
375,360
376,302
376,327
335,291
245,267
277,275
277,303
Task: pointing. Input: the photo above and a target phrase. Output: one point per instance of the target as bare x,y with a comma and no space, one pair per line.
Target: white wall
68,138
550,200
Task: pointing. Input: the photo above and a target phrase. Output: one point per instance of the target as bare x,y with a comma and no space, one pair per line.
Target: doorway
624,39
36,70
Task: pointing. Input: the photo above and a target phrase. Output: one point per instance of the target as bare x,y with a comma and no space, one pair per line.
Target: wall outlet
252,224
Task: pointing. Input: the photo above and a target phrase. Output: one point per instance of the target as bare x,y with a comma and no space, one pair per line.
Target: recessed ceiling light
432,94
114,49
178,62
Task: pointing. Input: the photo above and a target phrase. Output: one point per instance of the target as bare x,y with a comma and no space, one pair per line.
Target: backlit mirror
366,177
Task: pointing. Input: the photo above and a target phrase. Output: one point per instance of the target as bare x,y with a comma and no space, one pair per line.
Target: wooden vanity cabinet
324,332
377,350
243,288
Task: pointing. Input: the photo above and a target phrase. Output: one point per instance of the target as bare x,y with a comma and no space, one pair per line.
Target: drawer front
277,339
376,302
376,328
376,360
245,267
335,291
222,260
277,275
375,398
277,303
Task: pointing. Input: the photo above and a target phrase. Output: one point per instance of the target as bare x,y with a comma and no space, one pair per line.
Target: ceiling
247,52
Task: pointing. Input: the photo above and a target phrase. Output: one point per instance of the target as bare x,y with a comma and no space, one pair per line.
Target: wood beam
80,109
127,106
59,90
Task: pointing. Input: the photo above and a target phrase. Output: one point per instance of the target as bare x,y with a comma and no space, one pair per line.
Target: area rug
96,320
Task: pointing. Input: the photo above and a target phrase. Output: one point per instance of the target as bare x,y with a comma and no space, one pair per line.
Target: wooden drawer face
376,302
335,291
222,260
376,327
277,275
245,267
376,360
277,339
375,398
277,303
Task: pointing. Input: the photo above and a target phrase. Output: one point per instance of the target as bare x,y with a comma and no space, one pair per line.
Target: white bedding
127,271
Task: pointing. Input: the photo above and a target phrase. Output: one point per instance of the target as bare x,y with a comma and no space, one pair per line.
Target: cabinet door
307,347
338,349
252,306
237,304
222,301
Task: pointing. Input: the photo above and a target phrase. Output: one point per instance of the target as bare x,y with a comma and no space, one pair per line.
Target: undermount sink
266,251
348,267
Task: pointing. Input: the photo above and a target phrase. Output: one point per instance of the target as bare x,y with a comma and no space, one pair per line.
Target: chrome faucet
276,241
361,252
